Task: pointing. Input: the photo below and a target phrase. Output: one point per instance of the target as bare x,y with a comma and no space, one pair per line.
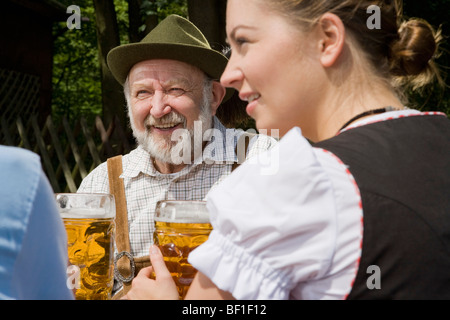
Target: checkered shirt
145,186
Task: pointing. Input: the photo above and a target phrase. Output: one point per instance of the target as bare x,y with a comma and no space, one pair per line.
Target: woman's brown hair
401,51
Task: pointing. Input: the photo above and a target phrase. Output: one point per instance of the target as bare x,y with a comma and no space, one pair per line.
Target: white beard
165,149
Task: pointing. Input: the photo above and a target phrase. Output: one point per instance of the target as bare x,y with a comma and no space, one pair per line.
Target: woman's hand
144,288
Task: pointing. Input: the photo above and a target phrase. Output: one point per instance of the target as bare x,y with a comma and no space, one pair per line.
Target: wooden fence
19,94
68,151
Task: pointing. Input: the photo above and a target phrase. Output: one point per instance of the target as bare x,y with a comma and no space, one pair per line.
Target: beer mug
89,223
180,227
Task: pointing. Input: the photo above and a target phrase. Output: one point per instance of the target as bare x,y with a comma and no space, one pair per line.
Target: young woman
362,209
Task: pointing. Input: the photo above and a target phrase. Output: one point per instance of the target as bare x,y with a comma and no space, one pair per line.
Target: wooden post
108,38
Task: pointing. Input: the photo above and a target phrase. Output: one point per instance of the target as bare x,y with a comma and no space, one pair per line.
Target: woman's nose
159,107
232,77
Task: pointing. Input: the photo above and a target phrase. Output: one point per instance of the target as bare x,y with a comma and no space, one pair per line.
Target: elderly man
170,84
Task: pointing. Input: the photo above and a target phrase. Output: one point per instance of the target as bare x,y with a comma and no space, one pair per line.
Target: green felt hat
174,38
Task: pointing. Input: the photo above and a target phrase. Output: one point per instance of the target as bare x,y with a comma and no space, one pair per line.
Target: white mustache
171,118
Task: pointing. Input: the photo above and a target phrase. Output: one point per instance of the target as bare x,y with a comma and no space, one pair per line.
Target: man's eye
176,92
141,94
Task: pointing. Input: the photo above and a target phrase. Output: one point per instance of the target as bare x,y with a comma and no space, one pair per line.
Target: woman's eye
241,41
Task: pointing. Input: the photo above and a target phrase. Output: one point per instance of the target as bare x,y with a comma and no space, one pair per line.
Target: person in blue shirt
33,241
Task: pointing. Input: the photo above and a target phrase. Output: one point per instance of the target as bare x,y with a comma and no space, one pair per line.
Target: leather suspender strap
123,263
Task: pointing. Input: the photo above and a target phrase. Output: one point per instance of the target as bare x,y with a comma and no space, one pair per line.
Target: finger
157,260
145,272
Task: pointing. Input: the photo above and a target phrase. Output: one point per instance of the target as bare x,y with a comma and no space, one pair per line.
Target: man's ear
332,38
218,95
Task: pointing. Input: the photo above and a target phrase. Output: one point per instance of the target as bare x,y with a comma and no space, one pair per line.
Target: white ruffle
277,232
232,269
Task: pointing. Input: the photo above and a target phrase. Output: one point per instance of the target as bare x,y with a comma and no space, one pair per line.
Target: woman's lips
251,107
252,100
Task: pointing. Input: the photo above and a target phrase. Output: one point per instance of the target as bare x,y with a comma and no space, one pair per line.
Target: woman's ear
332,35
218,95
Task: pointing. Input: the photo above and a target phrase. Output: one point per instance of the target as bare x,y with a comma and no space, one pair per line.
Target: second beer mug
180,227
89,222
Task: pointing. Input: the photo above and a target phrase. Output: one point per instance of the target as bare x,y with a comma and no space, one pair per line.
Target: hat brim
121,59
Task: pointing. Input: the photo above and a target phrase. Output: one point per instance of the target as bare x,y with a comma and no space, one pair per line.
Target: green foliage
76,68
76,78
122,19
163,8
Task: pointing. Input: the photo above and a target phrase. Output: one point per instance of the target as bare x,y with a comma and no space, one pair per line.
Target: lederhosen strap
126,266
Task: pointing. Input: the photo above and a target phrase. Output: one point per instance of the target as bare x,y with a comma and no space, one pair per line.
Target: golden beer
89,223
180,227
91,248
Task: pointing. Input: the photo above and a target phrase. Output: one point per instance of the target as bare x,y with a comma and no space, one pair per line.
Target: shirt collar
221,146
138,161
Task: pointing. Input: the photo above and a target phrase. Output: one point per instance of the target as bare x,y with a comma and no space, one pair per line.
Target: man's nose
159,107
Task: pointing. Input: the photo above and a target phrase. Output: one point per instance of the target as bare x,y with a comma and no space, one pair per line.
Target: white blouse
293,232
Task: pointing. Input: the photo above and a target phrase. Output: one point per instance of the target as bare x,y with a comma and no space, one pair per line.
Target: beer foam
191,213
80,213
184,220
86,205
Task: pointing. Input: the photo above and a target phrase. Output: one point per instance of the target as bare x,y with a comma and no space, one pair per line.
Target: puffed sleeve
274,224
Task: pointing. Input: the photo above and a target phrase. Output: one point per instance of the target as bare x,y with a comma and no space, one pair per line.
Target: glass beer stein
180,227
89,222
